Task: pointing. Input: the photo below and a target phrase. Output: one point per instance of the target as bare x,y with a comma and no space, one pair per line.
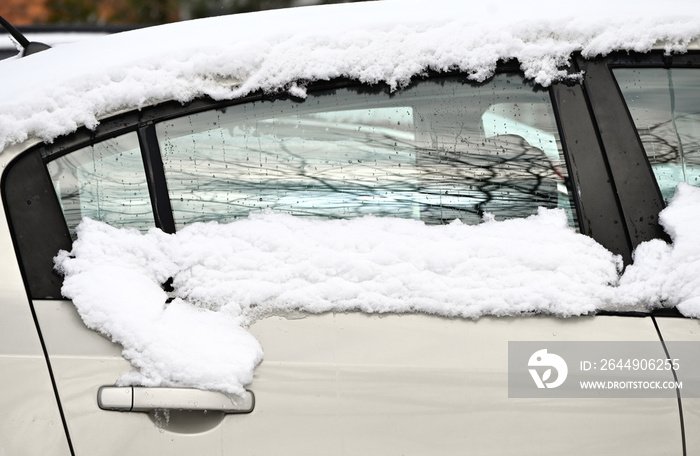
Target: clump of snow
115,285
54,92
227,275
669,274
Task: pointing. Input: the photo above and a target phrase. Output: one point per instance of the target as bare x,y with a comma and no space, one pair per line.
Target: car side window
440,150
106,182
665,108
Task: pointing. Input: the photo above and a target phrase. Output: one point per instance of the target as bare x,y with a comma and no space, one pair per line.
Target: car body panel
684,330
349,383
28,403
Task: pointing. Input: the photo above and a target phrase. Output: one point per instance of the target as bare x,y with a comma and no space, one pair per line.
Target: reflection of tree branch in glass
437,152
664,106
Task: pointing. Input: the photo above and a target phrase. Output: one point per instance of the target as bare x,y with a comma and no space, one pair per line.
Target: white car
570,130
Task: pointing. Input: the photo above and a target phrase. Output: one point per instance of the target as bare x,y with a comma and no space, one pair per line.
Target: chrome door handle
142,399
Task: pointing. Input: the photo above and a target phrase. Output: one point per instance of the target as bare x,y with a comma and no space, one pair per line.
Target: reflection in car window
665,107
441,150
105,182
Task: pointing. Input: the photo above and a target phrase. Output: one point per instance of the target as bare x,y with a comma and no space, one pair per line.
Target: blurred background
56,22
132,12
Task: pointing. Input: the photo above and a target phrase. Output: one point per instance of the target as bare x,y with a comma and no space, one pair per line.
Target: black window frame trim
636,187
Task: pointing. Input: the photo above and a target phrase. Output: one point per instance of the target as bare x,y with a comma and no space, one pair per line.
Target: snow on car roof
55,92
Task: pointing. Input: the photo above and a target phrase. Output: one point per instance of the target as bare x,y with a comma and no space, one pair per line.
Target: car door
660,104
338,382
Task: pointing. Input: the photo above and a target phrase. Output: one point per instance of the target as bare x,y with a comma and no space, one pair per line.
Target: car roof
54,92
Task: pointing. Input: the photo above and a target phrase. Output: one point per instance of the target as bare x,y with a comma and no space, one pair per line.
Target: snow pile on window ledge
668,275
227,275
54,92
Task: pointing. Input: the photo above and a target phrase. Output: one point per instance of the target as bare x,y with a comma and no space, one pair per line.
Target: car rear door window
106,182
441,150
665,107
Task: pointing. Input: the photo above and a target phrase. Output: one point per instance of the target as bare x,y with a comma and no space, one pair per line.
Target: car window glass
440,150
665,107
105,182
